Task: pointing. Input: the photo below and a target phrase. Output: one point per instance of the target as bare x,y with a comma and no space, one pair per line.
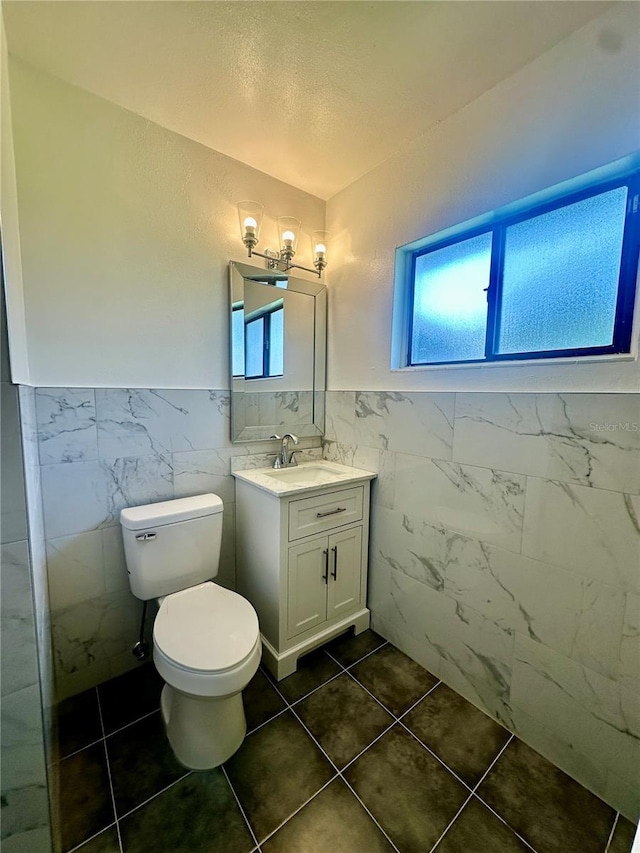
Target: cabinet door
307,585
345,568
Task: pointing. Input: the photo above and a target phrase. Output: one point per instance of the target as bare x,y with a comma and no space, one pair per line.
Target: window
263,352
550,280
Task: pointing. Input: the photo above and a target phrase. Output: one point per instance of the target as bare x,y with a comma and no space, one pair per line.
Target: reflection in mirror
278,351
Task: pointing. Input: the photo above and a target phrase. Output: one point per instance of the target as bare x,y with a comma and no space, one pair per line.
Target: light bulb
250,223
288,235
320,249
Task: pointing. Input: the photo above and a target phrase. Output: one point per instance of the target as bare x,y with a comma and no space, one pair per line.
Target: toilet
206,639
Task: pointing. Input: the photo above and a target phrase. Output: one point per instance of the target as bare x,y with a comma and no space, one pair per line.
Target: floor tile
199,814
348,648
85,797
142,763
544,805
313,670
393,678
343,718
106,842
275,771
478,830
623,836
78,722
130,696
261,701
411,795
333,821
462,736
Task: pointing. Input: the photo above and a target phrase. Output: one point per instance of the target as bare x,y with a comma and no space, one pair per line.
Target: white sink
303,477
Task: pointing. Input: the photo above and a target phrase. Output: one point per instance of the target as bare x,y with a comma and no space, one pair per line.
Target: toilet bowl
206,639
206,647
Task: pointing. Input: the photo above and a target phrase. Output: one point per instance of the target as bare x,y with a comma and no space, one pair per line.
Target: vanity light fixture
250,214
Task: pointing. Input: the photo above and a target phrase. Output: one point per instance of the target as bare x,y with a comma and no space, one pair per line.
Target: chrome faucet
284,459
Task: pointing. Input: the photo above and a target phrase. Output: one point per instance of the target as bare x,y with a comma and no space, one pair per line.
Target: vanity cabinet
323,579
302,562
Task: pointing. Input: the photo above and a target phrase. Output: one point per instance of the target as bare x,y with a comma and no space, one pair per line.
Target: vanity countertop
317,475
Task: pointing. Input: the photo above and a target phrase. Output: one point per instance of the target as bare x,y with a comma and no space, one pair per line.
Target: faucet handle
292,458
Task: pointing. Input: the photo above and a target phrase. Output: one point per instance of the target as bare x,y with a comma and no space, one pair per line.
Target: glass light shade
320,241
288,233
250,215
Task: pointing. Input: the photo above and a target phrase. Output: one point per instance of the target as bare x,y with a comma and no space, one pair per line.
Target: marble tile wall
24,791
505,557
104,449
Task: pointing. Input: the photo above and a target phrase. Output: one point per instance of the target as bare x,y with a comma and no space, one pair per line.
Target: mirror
278,354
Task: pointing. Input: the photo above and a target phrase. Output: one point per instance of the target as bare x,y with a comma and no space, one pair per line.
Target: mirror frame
240,433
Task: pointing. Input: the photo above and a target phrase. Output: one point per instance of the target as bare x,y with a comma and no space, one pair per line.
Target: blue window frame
553,280
264,343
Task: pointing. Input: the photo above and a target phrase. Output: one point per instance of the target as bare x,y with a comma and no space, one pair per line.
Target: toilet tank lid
170,512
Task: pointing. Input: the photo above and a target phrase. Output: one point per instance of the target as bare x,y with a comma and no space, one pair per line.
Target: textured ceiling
313,93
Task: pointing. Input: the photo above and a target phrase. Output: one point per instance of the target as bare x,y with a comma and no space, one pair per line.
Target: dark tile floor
360,751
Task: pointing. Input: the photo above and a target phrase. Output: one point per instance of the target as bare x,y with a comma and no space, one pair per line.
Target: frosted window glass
254,347
276,343
450,305
561,273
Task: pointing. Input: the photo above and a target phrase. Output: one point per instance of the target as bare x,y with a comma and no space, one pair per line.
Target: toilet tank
172,545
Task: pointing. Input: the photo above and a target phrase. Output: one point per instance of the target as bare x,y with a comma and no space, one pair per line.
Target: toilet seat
205,629
199,627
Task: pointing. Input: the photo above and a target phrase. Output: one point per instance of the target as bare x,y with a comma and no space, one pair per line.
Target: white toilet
206,640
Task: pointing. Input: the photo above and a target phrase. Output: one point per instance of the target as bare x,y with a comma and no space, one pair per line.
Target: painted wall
505,548
572,110
126,231
11,258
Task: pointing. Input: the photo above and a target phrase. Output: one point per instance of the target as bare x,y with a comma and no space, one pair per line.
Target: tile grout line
353,791
106,755
104,737
75,752
502,820
157,794
395,720
299,809
451,822
338,771
399,721
266,722
611,834
132,723
471,792
343,669
382,705
415,704
434,755
362,751
367,655
499,816
91,838
313,738
242,811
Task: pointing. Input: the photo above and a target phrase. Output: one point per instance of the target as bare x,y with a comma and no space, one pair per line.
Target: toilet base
204,731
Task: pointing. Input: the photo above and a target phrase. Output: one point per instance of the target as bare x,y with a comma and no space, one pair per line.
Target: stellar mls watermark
616,426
